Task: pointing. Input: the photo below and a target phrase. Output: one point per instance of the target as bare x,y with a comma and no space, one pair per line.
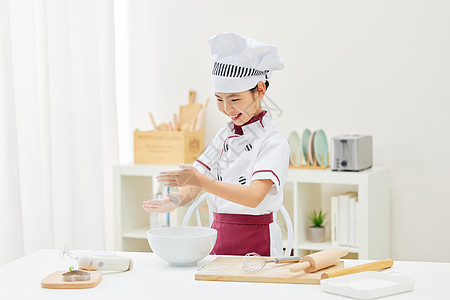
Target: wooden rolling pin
372,266
319,260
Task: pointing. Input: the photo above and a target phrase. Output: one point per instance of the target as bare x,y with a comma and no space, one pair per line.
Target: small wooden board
230,269
189,112
55,281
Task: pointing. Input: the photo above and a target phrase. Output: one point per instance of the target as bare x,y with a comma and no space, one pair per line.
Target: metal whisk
253,262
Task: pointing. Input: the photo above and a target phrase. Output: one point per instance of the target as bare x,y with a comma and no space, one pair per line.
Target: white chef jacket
260,153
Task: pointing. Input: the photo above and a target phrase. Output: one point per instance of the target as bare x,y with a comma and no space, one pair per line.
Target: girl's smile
241,107
235,117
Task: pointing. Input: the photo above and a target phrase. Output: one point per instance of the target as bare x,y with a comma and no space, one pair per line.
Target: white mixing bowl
182,246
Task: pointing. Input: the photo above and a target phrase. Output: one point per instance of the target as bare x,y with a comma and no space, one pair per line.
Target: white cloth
240,62
260,153
58,126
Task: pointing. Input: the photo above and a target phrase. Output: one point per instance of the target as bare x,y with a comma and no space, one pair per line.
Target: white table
152,278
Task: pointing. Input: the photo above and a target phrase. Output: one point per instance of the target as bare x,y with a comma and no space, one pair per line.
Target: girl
244,168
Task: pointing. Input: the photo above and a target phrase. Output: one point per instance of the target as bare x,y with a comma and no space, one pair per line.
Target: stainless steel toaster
351,152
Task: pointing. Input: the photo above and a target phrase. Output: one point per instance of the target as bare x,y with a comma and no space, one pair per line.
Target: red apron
241,234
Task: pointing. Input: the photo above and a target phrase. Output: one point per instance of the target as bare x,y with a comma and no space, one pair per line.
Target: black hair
253,90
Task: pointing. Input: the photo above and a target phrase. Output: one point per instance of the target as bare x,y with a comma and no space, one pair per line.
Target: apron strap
244,219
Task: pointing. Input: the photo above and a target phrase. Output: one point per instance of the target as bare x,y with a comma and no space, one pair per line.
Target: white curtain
58,124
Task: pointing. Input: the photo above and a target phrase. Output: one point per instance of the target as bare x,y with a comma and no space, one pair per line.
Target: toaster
351,152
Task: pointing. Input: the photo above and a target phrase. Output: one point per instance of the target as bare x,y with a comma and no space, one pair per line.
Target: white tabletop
152,278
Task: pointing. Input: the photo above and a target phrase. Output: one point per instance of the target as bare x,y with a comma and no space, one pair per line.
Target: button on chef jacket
258,152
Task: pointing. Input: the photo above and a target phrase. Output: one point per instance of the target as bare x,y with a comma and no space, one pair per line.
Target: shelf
294,175
322,246
139,233
308,189
313,246
328,176
144,170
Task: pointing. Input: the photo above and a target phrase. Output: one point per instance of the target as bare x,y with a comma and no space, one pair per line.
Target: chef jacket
258,152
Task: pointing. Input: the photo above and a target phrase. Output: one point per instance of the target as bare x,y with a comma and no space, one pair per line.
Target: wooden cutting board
230,269
55,281
189,112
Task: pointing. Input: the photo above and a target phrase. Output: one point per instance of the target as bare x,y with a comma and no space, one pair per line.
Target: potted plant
317,231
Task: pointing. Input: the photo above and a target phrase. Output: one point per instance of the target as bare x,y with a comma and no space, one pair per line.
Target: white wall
377,67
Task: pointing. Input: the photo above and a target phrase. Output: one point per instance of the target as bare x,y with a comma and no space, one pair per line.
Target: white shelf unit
133,184
373,213
304,191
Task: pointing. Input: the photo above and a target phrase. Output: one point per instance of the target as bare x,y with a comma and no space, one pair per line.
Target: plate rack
315,165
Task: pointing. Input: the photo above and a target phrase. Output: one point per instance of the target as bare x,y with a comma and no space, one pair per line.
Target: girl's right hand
162,205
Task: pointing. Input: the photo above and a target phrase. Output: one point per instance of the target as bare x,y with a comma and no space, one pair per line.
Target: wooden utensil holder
167,147
314,164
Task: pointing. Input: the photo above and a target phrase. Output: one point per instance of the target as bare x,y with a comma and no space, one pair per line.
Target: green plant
317,218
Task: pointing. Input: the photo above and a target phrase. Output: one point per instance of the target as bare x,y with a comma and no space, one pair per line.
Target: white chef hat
240,63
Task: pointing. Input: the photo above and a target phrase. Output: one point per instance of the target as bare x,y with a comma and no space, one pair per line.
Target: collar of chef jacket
239,129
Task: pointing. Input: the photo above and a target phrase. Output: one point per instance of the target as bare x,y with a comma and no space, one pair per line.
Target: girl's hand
168,204
186,176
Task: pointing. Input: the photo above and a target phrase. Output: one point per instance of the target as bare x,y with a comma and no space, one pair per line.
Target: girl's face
241,107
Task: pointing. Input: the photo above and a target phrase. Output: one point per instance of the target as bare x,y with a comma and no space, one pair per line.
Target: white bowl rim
211,232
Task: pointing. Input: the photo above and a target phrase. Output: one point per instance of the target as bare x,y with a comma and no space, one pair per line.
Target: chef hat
240,63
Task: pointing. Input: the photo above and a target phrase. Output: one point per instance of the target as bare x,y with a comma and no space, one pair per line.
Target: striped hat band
227,70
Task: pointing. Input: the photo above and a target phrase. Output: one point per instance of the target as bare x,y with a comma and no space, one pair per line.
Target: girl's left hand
188,175
168,204
159,205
